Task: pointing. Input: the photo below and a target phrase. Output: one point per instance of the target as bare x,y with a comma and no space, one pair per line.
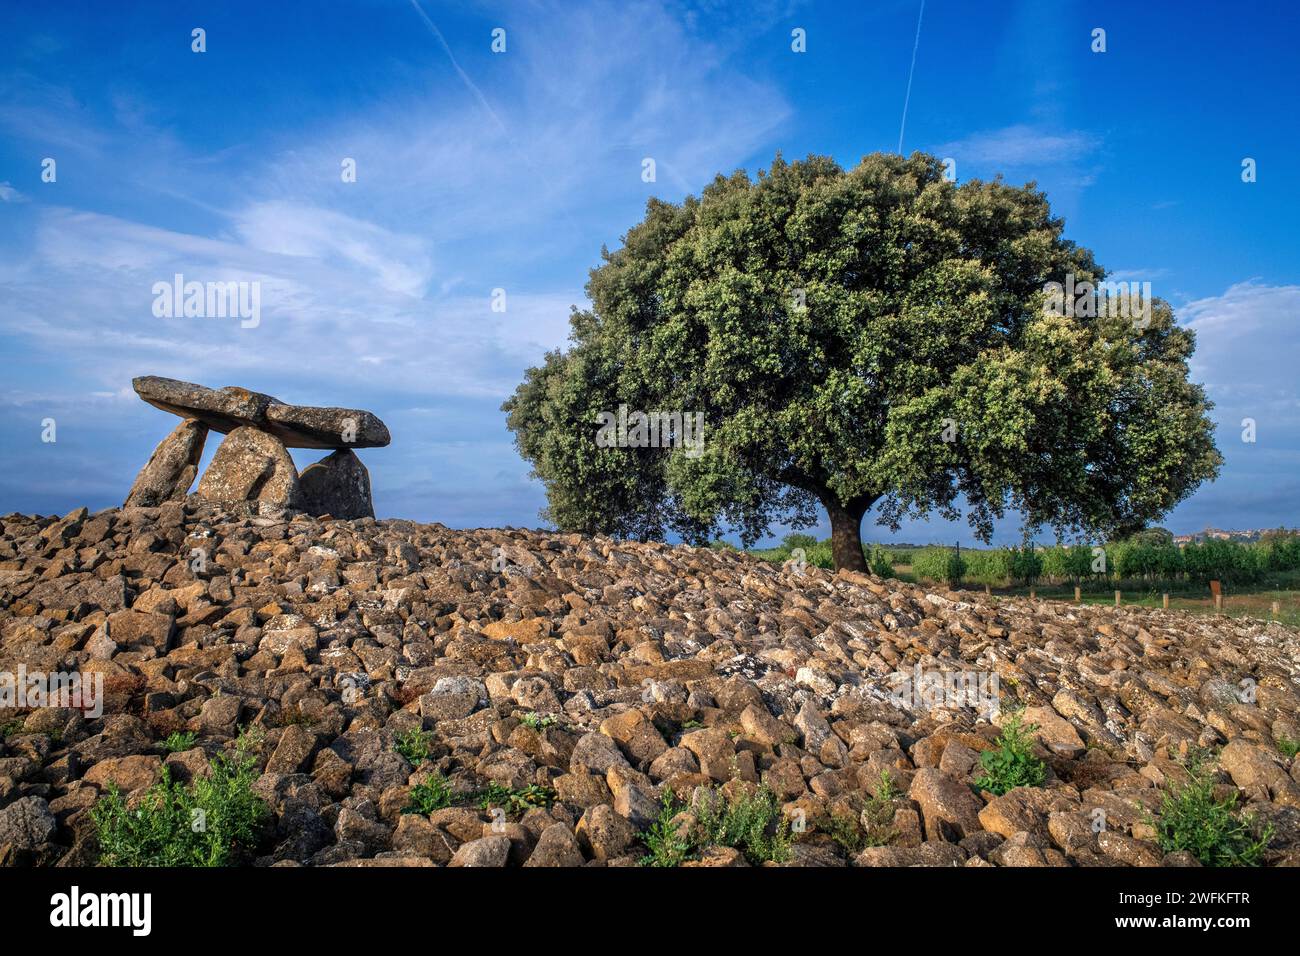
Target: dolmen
252,463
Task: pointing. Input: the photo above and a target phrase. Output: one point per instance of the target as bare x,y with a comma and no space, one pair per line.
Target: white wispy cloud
447,206
1021,145
320,318
1247,346
398,262
375,293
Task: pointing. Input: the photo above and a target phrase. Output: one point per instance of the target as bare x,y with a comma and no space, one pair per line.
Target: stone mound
604,673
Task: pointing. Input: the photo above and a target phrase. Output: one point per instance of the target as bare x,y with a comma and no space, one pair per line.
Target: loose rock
391,679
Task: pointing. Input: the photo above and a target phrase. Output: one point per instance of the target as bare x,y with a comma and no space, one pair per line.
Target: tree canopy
877,336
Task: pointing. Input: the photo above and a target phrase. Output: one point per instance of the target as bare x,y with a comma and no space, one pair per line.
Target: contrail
478,94
487,107
907,99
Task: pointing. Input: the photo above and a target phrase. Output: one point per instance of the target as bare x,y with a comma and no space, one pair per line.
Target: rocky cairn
253,464
607,673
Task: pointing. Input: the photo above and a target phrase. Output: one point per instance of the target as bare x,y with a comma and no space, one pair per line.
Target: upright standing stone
337,485
251,465
171,468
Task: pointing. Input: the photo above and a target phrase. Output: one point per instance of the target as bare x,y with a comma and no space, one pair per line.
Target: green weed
750,823
1013,763
177,742
415,745
434,793
667,846
515,802
210,822
1192,818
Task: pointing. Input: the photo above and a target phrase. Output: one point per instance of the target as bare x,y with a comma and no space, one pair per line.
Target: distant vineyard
1132,560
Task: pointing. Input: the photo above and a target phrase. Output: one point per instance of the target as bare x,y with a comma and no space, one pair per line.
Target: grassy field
1239,601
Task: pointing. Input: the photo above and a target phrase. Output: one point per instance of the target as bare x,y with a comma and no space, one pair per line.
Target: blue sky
479,170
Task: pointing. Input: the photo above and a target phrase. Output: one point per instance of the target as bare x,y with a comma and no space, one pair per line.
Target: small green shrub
822,556
515,802
1013,763
815,553
177,742
987,567
1192,818
798,540
433,793
210,822
251,740
877,817
667,846
847,832
885,789
1025,563
1288,747
872,827
1056,563
415,745
539,721
945,565
880,563
751,823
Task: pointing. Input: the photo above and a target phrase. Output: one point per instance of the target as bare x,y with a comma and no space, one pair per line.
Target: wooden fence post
1078,598
1117,598
1166,601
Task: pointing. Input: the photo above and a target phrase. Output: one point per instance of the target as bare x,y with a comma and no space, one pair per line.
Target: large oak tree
877,336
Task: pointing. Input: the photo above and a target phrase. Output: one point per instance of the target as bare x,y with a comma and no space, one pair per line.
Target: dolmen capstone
252,463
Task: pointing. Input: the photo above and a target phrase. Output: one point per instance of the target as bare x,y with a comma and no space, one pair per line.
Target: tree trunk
846,531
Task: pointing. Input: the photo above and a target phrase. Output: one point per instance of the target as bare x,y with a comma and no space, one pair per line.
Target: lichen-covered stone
297,426
172,467
251,465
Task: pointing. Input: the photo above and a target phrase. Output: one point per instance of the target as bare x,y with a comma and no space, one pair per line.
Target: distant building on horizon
1218,534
